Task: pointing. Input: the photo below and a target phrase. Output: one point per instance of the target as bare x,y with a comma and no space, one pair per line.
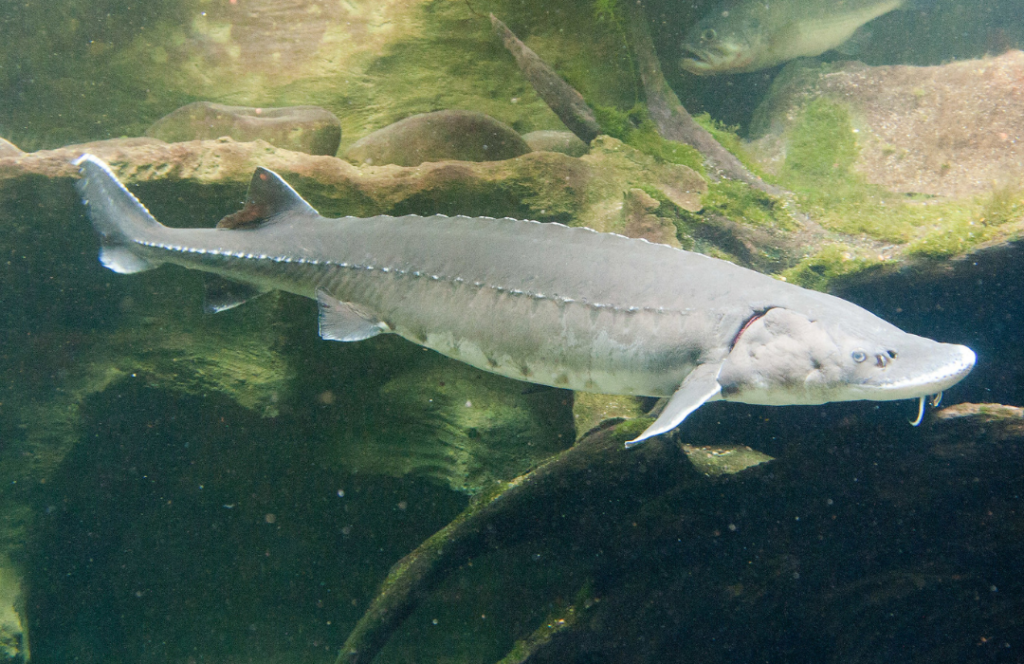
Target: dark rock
550,140
307,129
8,149
439,136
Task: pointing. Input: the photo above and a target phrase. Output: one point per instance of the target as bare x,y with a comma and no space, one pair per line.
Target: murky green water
185,487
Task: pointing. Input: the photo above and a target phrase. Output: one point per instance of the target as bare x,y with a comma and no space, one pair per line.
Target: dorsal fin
269,197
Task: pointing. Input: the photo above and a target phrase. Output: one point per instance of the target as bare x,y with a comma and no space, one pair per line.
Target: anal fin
344,321
223,294
697,389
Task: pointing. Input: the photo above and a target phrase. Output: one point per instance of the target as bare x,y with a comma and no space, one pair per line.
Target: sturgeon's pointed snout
924,369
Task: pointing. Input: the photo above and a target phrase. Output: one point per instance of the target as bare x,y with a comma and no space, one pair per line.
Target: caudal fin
118,217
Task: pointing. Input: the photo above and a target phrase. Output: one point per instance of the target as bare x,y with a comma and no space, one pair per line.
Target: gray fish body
545,303
539,302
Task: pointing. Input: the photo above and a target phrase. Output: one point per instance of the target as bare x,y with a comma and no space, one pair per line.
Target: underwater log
562,98
597,460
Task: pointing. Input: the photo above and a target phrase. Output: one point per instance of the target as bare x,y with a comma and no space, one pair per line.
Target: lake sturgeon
538,302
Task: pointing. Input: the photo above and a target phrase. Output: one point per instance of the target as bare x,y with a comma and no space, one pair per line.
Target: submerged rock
459,426
308,129
439,136
949,130
8,149
552,140
641,221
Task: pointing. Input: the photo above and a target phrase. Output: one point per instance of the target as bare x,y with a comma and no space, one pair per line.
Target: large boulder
950,130
308,129
439,136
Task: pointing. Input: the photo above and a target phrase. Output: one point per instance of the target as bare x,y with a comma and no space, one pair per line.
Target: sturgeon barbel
543,303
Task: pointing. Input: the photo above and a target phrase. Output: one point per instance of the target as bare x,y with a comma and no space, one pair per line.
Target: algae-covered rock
553,140
717,460
14,643
299,128
641,221
949,130
460,426
438,136
590,410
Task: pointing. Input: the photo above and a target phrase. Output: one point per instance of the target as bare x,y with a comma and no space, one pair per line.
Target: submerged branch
562,98
598,460
673,120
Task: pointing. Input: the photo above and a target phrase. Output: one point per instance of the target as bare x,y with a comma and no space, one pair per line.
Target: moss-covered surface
635,128
728,138
876,226
738,202
820,155
715,461
822,131
590,410
833,262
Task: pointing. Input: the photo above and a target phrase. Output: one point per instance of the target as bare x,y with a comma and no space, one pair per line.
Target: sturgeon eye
708,35
859,356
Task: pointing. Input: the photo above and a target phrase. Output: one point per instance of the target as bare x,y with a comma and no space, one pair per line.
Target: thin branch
562,98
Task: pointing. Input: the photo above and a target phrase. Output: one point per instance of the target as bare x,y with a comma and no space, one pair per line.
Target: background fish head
726,40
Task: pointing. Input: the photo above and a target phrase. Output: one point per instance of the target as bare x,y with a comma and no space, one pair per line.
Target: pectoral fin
344,321
699,387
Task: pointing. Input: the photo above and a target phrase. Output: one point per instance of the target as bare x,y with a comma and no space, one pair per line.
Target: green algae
591,410
729,138
822,144
998,215
1004,204
733,200
834,261
719,460
740,202
607,10
636,129
630,429
819,167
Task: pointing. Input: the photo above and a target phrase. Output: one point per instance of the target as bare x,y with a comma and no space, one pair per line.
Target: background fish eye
708,35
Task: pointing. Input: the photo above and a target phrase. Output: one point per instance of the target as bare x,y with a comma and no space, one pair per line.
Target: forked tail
118,217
